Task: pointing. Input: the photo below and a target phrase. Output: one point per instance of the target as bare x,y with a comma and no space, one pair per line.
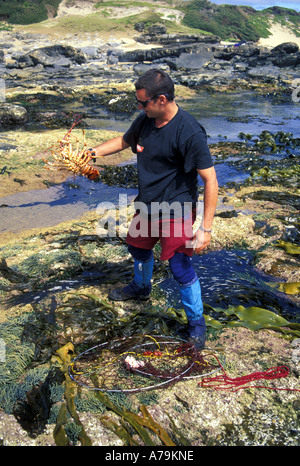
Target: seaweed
124,176
10,274
289,248
256,318
64,356
129,420
33,413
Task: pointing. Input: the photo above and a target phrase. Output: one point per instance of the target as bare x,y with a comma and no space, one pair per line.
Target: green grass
25,12
238,22
101,22
229,22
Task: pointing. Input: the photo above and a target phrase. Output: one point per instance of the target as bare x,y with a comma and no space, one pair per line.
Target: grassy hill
238,22
27,12
229,22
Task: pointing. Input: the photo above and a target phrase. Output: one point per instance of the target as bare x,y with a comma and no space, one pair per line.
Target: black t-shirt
168,157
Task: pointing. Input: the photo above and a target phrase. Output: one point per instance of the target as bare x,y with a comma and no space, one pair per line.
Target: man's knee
182,268
139,254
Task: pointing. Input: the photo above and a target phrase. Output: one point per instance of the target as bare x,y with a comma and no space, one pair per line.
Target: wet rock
11,114
241,67
207,77
141,55
285,47
52,55
217,65
23,61
284,55
157,29
140,27
190,53
228,214
141,68
265,73
24,73
190,61
245,50
287,60
175,39
90,51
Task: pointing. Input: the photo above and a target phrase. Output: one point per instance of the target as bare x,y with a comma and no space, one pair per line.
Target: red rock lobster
71,159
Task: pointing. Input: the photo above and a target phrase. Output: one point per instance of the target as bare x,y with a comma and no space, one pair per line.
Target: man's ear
162,99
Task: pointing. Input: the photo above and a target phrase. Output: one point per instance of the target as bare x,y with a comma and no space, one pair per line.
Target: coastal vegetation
25,12
229,22
234,22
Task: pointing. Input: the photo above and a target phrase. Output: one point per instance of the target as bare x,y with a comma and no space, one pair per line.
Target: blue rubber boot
140,287
193,306
143,272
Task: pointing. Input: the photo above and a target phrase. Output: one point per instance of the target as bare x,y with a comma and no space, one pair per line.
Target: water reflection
226,115
48,207
229,278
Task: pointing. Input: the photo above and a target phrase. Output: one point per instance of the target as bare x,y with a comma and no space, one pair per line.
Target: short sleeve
196,152
132,134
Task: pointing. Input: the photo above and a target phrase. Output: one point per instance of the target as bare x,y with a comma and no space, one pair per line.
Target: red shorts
174,234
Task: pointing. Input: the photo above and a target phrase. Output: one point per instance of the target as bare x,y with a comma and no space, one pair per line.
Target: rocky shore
54,290
31,61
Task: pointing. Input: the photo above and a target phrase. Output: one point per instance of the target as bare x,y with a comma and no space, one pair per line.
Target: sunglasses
143,103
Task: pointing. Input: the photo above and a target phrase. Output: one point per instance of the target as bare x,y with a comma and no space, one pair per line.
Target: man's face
148,104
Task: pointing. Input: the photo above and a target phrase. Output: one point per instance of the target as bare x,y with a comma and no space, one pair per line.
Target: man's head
156,82
152,87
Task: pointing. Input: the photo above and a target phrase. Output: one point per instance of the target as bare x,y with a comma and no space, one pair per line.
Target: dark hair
156,82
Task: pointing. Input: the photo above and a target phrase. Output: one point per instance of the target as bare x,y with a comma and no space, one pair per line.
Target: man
171,148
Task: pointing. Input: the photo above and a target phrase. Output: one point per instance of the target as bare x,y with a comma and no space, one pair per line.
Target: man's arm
109,147
202,238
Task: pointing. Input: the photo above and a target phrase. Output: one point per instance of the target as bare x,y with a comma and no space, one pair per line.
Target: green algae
288,175
289,248
64,356
291,288
273,142
124,176
255,318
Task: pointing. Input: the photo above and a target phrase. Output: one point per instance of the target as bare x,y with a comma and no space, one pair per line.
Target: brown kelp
141,424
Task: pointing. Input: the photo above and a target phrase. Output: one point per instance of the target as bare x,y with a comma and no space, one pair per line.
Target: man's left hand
201,240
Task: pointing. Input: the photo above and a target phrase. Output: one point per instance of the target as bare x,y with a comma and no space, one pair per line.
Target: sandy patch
82,8
279,34
86,7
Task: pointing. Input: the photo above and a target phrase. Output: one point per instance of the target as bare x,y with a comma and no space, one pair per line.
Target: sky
261,4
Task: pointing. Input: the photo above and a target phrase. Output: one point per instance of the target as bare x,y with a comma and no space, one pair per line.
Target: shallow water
48,207
229,278
215,112
251,114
